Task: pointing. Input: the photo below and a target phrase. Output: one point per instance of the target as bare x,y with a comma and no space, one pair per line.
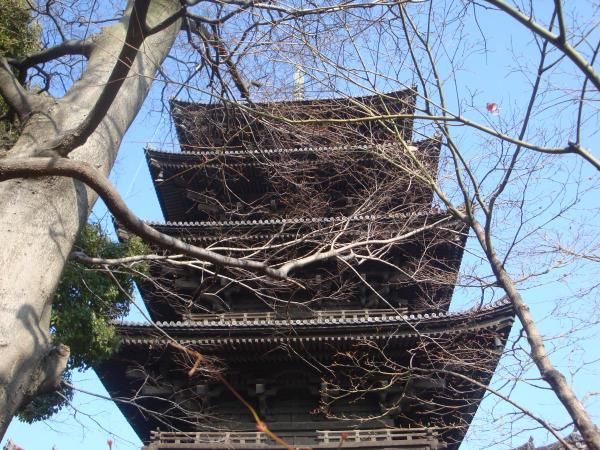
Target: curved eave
249,336
281,229
278,230
430,215
401,94
185,159
449,244
490,326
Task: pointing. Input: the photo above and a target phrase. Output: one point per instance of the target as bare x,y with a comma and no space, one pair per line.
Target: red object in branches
109,441
493,108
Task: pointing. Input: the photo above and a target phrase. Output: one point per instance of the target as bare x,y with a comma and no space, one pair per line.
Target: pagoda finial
298,82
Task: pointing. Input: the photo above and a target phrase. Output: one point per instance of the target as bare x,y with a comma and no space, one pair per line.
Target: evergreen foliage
88,299
19,36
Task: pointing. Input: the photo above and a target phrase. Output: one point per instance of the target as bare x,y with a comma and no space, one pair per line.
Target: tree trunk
557,381
39,219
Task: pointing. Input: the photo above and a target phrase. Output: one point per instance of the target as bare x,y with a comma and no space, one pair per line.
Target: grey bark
39,218
549,373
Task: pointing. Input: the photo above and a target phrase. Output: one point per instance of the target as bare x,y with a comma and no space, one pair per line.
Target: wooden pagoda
357,349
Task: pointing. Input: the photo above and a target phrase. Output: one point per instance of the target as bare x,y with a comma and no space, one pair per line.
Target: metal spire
298,82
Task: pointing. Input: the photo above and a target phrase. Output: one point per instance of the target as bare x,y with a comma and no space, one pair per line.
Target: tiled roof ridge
492,308
151,152
412,90
213,223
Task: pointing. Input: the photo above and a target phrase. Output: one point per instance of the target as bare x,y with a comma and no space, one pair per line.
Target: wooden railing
414,439
366,436
317,316
164,438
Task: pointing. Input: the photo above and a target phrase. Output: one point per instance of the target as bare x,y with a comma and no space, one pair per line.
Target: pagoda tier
310,379
297,182
309,123
410,262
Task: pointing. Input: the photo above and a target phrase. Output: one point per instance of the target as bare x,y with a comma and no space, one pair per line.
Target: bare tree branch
16,96
40,167
559,41
69,47
94,261
137,31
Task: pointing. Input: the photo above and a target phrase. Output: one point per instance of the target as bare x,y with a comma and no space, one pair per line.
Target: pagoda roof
197,227
240,337
317,103
185,158
224,183
235,124
392,224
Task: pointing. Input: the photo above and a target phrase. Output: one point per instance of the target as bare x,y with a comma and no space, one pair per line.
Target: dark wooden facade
294,124
360,349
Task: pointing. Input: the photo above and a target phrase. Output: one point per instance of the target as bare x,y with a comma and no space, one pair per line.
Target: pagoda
356,348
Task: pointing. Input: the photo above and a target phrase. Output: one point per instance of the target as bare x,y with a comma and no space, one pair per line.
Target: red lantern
109,441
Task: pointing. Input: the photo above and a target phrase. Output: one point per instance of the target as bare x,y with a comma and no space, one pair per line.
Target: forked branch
41,167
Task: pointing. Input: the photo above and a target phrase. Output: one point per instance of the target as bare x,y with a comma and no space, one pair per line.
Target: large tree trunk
39,218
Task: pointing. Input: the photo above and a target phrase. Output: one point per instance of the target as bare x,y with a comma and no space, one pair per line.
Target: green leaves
45,406
19,35
89,298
